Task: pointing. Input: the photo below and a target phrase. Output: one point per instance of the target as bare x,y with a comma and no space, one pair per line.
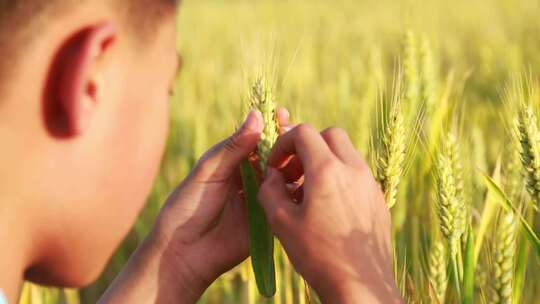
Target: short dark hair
21,19
18,16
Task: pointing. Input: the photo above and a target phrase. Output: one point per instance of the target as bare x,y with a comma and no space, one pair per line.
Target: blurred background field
334,59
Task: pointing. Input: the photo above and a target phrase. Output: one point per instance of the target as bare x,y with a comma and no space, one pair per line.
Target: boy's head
83,120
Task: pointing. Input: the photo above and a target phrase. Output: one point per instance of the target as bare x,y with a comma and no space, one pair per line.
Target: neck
14,258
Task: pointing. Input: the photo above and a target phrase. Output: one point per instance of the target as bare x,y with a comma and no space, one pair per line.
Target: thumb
221,161
276,201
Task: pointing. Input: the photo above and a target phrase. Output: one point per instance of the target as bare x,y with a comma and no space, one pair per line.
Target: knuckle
204,164
276,217
264,192
370,177
361,165
335,133
305,130
283,216
327,171
328,166
232,144
207,162
271,217
361,159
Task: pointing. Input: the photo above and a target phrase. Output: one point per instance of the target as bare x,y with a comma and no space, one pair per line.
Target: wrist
178,279
157,272
148,277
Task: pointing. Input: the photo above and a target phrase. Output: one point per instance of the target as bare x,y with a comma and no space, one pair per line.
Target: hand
201,231
204,222
334,224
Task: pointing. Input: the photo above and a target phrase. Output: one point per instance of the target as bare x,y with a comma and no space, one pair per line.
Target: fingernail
252,121
285,129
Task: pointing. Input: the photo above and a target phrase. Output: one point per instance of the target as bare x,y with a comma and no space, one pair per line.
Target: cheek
139,142
153,130
113,185
145,140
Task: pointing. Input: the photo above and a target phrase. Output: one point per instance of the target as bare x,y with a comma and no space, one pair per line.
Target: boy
83,122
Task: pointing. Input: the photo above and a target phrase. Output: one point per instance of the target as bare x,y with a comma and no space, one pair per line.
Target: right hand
334,225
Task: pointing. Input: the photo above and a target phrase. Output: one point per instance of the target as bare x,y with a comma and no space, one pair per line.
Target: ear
73,88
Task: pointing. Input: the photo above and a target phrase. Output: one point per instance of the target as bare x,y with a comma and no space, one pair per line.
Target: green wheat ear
391,162
262,99
513,183
392,153
429,84
451,207
437,263
504,251
411,70
528,136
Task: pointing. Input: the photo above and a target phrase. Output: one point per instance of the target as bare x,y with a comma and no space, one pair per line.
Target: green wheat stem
457,281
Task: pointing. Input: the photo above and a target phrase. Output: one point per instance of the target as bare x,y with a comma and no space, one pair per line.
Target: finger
221,161
292,170
275,199
298,194
283,130
283,118
235,219
296,191
303,141
339,142
230,235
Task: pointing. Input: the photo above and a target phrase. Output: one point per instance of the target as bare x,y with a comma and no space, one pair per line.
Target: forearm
149,277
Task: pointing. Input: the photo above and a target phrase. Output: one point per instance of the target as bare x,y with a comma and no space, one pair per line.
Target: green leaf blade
509,206
261,239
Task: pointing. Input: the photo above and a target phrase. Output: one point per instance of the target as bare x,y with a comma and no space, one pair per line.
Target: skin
201,233
83,122
334,224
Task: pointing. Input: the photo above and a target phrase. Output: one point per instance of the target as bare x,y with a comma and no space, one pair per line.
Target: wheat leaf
505,202
261,240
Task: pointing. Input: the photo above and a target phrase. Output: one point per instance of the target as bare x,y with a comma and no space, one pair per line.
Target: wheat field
439,96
